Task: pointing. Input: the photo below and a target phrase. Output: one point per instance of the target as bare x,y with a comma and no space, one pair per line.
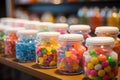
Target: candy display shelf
44,74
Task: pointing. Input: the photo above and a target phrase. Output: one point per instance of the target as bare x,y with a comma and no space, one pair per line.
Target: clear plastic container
10,41
25,46
58,27
80,29
2,36
111,32
70,54
46,49
100,61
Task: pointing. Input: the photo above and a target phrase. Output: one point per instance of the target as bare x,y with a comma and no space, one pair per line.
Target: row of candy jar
2,36
46,49
10,41
111,32
70,53
100,61
58,27
25,46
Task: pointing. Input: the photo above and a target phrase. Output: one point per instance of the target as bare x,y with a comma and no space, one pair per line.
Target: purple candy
46,63
50,58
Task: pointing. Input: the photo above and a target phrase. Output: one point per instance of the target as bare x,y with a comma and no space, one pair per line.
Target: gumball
97,78
101,73
92,53
98,67
102,57
90,76
107,69
94,60
87,58
93,72
87,70
105,63
61,65
105,77
90,66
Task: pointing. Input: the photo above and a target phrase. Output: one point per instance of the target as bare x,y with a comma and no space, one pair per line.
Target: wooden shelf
44,74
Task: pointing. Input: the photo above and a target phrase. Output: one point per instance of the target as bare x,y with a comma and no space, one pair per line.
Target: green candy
53,50
97,78
92,53
44,51
111,61
48,42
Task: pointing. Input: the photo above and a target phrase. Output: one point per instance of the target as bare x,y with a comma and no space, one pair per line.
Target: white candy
87,58
114,55
98,67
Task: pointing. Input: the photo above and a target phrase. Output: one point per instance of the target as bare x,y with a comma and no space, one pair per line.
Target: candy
105,63
111,61
61,65
52,63
90,66
101,73
101,57
87,58
90,76
92,53
94,60
68,53
105,77
107,69
93,72
41,60
76,66
98,67
97,78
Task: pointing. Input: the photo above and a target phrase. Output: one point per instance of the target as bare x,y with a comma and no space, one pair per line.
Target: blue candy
25,50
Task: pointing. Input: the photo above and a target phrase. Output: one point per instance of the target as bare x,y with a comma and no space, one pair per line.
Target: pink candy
105,77
93,72
105,63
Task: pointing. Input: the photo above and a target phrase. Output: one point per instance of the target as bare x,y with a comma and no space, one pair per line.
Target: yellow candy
101,73
41,60
76,66
49,53
90,76
90,66
107,69
61,65
94,60
49,49
52,63
68,53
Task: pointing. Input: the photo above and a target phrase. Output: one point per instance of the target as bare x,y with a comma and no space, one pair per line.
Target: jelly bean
41,60
105,63
62,55
92,53
90,66
105,77
97,78
93,72
46,63
94,60
90,76
101,73
107,69
101,57
98,67
87,70
68,53
61,65
52,63
43,51
76,66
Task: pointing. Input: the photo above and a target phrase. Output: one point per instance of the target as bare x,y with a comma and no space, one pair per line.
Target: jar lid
27,32
12,30
48,34
71,37
3,20
2,27
58,26
100,41
79,27
106,29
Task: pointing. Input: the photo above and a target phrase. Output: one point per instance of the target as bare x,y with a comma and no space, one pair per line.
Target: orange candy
102,57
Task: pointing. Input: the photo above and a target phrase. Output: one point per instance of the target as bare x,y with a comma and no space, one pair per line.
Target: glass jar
70,53
25,46
2,36
80,29
58,27
110,32
10,41
100,61
46,49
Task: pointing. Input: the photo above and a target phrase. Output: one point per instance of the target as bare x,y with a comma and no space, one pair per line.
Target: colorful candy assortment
100,62
58,27
111,32
70,54
10,42
25,46
46,49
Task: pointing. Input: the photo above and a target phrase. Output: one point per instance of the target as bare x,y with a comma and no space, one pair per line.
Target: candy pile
1,42
25,50
10,43
46,50
100,64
